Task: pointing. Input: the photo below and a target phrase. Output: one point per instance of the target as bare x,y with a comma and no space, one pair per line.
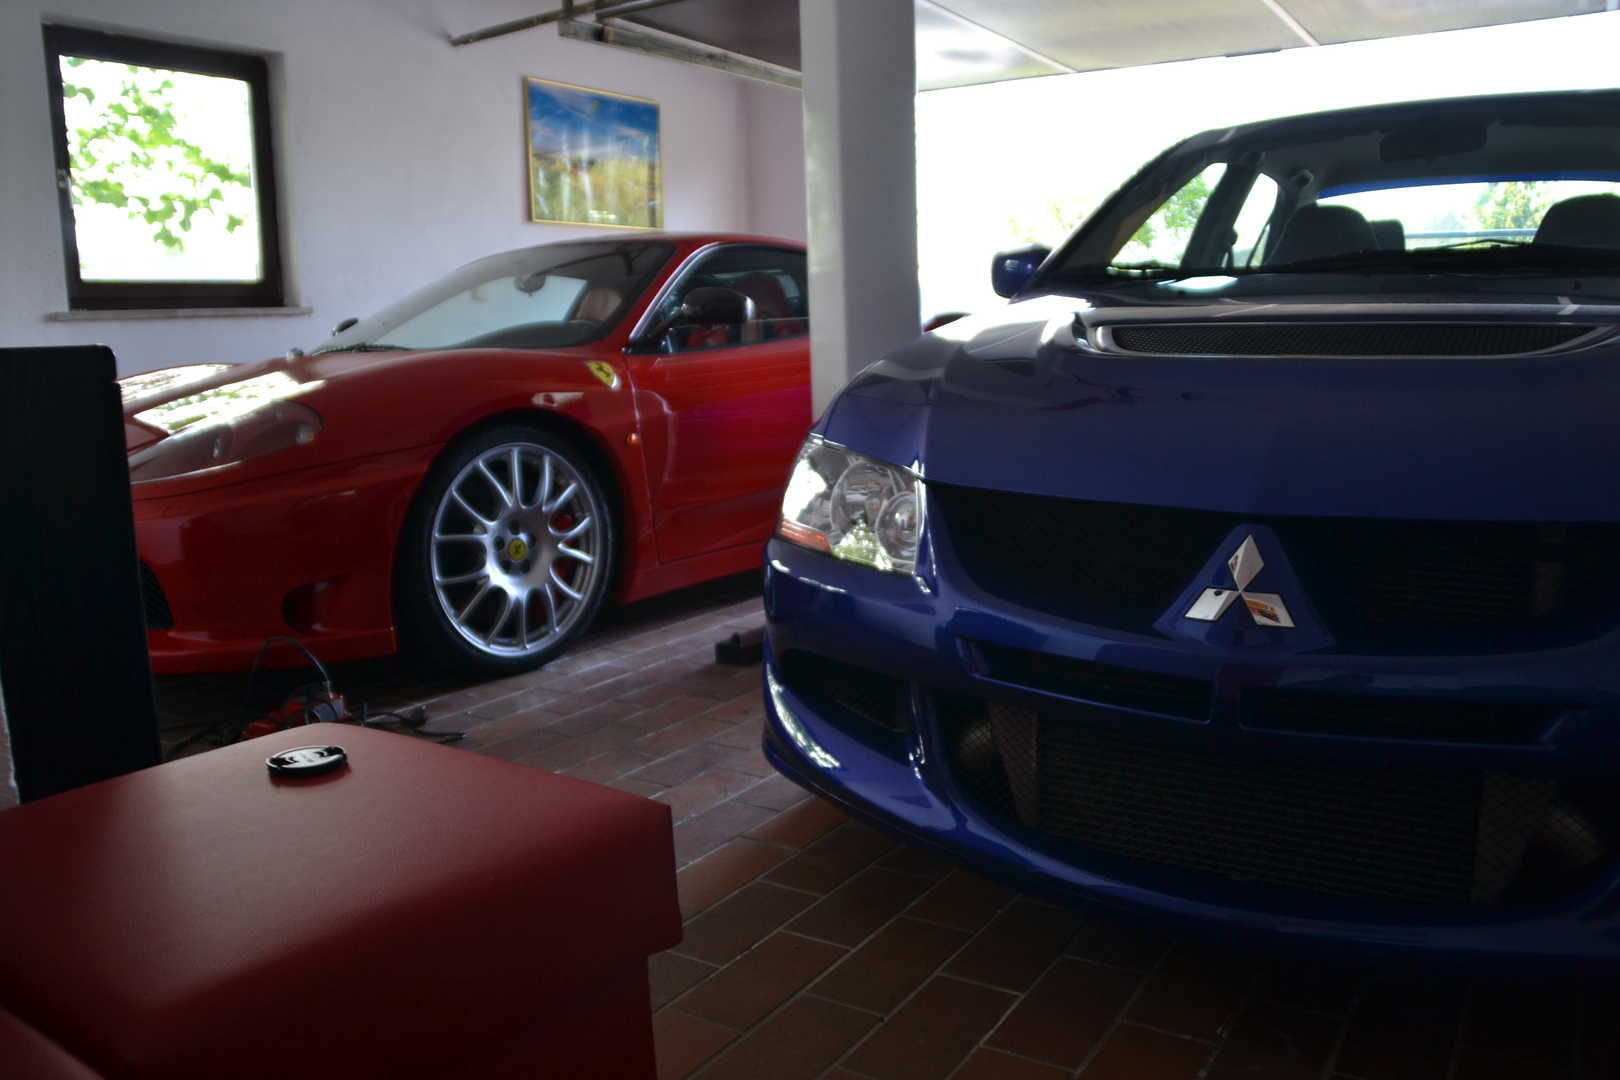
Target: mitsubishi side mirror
1011,270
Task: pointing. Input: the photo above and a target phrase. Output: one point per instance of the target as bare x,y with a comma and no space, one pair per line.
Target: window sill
175,313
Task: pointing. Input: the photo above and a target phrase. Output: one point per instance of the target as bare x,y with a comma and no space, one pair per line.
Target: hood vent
1404,339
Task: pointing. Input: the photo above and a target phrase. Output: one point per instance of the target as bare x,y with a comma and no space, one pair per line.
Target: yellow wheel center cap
517,550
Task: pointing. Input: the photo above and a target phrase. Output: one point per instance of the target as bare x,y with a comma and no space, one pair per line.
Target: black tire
489,584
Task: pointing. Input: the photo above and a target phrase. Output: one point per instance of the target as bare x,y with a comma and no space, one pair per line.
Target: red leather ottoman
421,912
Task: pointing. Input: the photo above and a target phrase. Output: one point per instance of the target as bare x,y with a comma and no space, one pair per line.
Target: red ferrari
475,469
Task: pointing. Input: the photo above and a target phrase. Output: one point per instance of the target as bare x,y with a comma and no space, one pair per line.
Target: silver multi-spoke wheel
518,547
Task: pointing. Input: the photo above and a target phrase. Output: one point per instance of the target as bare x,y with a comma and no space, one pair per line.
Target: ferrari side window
774,279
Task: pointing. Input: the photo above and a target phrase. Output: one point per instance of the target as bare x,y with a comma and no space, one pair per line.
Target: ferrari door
723,409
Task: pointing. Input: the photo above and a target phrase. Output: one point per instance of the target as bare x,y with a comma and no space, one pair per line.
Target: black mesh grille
1336,827
158,615
882,701
1105,684
1314,712
1379,584
1345,339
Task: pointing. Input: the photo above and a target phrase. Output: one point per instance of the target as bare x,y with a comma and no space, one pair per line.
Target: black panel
1316,713
1346,339
1381,585
765,30
1104,684
158,615
1343,828
73,662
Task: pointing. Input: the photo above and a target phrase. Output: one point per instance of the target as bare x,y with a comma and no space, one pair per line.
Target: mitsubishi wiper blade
1458,259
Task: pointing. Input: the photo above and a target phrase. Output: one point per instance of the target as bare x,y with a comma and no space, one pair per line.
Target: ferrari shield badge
604,371
1267,609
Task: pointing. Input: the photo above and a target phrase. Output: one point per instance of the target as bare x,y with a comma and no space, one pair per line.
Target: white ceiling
962,42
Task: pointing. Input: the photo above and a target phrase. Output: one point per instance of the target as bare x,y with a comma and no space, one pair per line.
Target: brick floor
816,947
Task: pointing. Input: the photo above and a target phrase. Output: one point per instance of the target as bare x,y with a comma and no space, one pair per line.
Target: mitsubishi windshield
1486,194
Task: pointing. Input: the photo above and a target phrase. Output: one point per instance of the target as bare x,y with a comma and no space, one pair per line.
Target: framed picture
593,157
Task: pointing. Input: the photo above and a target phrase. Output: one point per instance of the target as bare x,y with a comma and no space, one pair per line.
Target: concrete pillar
860,154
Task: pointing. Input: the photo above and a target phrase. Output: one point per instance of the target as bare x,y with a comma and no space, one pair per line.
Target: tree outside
162,173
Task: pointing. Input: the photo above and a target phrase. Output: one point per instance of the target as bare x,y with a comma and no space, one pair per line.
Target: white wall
399,157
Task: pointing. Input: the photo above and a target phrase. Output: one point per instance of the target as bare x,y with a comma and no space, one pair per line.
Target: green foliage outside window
134,157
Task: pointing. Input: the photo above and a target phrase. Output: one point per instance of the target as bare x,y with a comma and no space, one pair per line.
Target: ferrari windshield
539,298
1489,188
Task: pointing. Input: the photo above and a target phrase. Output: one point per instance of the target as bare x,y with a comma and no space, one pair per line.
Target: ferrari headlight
854,507
278,425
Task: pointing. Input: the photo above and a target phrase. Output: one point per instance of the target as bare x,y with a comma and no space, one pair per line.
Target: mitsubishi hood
1041,398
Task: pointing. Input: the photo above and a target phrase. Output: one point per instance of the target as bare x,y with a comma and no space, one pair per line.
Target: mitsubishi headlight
853,507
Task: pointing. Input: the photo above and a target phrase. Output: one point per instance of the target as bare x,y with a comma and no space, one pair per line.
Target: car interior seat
1321,232
1582,221
1390,234
773,314
598,303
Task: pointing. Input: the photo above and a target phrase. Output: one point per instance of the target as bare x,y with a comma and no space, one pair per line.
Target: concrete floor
817,947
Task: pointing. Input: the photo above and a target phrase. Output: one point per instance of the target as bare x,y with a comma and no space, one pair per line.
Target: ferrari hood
1515,421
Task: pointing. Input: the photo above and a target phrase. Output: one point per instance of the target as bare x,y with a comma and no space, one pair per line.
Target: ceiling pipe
651,42
569,10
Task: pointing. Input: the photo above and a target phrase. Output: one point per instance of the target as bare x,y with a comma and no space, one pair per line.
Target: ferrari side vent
156,605
1345,339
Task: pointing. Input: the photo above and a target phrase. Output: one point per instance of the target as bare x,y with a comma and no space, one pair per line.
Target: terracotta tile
492,731
736,923
1307,985
1533,1022
726,869
1478,1065
704,790
681,1043
745,736
963,900
1118,944
607,767
832,860
850,913
905,859
670,975
753,761
725,689
745,707
759,980
588,678
1017,946
1132,1053
1195,991
577,749
521,745
932,1032
512,704
986,1064
800,825
1274,1042
636,787
1402,1029
797,1043
684,764
586,720
1066,1014
702,833
688,912
774,793
892,964
674,735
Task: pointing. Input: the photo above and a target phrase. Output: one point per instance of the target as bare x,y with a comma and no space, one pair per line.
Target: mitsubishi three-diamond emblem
1267,609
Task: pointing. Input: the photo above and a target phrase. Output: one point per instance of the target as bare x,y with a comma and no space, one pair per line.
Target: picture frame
592,156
